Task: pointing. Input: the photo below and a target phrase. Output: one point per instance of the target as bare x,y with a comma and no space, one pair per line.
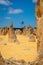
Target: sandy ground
23,49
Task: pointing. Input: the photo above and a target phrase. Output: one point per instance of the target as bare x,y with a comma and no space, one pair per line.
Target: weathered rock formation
34,31
28,30
3,31
11,34
39,21
12,61
31,38
2,61
17,31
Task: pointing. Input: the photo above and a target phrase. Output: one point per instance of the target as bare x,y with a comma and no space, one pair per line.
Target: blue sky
16,11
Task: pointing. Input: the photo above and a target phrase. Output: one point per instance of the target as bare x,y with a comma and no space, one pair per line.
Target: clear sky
16,11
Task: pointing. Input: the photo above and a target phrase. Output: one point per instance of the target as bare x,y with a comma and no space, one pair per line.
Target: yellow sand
23,50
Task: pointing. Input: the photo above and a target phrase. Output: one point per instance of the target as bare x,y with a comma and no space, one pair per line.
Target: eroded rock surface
28,30
11,34
17,31
39,21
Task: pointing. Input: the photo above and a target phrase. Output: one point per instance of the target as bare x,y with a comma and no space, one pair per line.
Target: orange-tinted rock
11,34
39,22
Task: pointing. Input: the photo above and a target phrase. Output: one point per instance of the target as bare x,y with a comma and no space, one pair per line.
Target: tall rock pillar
39,22
11,34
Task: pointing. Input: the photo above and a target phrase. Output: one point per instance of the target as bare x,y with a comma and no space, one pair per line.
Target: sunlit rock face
17,31
41,6
28,30
39,21
11,34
